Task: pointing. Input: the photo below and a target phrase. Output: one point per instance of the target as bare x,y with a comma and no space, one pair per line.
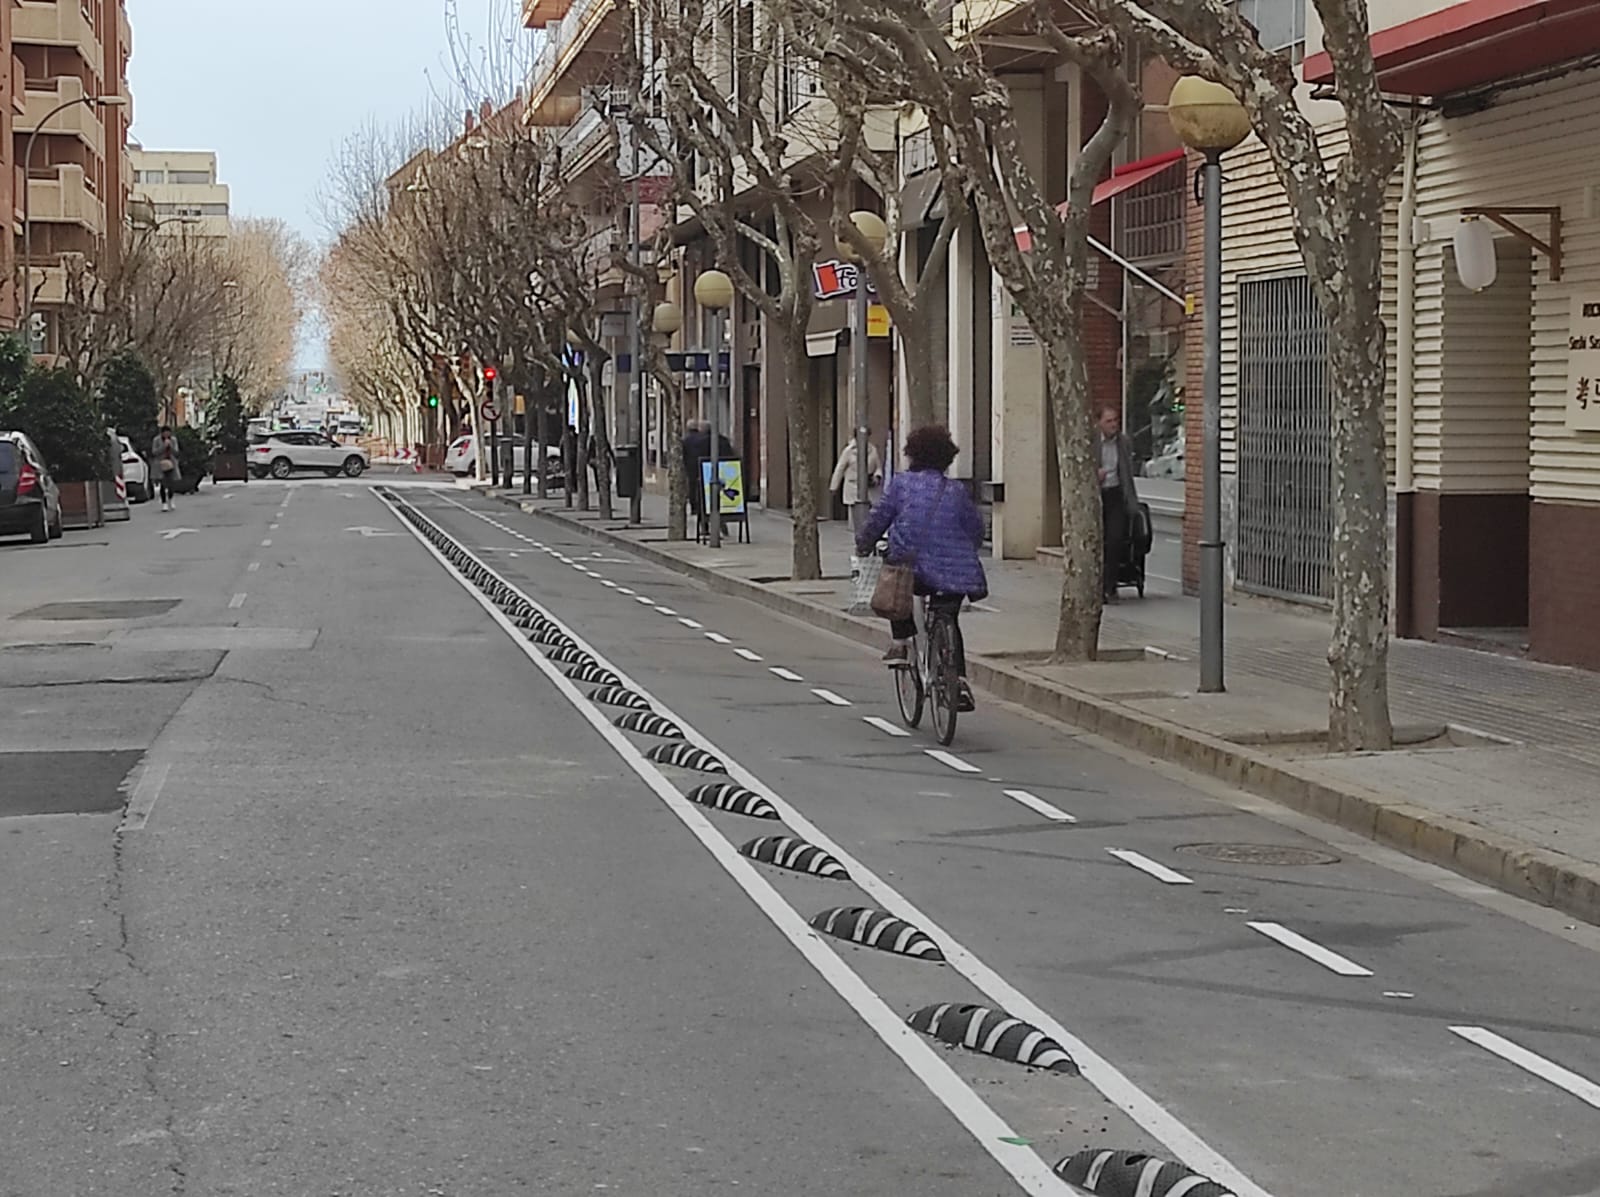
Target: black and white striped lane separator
736,800
1160,1123
647,723
1135,1174
619,696
993,1033
987,1128
786,852
877,929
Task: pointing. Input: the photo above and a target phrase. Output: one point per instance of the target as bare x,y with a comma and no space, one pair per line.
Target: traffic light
433,401
490,374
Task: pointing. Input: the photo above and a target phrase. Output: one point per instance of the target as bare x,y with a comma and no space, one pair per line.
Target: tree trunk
677,480
536,413
602,441
807,557
537,381
1358,657
583,443
1082,533
922,383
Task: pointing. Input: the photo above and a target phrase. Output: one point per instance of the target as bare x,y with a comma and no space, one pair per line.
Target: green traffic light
433,401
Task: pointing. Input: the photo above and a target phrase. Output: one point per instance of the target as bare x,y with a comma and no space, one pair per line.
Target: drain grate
994,1033
1260,854
786,852
877,929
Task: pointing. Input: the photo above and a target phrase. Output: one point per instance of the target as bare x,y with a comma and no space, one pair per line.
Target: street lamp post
871,227
1208,118
666,320
713,290
27,207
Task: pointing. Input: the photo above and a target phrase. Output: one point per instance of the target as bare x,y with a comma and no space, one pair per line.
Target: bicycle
931,675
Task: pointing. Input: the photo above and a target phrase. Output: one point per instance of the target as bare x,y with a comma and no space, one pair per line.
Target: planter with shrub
230,435
58,416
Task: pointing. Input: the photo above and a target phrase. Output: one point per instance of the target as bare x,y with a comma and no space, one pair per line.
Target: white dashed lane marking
1035,803
828,696
1580,1087
883,725
1312,950
743,652
951,760
787,675
717,638
1145,865
692,623
236,601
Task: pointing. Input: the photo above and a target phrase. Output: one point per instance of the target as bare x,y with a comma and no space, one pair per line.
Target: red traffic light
490,374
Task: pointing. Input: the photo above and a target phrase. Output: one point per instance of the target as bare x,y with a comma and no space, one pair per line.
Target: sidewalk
1500,779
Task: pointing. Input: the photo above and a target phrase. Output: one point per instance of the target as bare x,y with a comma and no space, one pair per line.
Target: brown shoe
898,655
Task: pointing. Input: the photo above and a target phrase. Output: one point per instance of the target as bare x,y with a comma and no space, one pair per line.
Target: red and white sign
835,279
489,411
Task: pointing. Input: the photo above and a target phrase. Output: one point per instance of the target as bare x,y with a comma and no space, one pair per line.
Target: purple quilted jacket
934,523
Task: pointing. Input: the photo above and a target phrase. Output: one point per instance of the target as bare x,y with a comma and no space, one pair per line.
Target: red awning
1476,42
1126,178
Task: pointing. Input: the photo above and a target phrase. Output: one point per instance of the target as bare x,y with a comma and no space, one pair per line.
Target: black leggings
944,604
166,485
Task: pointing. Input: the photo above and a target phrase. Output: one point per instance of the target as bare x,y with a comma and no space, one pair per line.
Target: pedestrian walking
1119,498
846,482
164,456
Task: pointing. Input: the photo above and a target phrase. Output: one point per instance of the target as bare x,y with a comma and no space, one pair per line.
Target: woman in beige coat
845,476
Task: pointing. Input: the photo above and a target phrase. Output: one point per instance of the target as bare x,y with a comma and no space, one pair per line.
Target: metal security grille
1285,520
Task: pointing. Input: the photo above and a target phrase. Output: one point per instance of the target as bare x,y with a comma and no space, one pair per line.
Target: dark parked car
29,499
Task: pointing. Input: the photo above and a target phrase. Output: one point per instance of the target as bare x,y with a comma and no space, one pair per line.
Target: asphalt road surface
395,908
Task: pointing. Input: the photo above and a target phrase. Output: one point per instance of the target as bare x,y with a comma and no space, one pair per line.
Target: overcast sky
274,87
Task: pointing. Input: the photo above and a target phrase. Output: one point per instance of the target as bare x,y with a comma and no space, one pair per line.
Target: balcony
49,286
576,53
43,23
539,14
19,188
19,74
62,195
80,121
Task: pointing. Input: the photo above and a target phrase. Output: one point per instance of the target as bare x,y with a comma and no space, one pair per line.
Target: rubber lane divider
1163,1125
987,1128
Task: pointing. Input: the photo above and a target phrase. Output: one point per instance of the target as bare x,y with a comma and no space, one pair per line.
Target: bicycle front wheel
908,690
944,682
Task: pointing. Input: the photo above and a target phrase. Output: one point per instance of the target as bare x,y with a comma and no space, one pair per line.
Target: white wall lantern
1476,264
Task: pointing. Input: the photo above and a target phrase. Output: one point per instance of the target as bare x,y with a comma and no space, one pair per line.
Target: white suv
282,453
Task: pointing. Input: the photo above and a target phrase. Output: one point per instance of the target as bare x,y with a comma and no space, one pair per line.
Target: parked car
461,459
283,453
29,499
135,472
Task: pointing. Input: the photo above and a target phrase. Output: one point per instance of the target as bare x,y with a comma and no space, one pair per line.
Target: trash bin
628,471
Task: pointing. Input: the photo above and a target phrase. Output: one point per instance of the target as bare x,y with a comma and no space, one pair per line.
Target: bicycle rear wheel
908,688
944,681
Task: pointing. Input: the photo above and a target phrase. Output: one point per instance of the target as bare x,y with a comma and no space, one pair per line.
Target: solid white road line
717,638
787,675
236,601
952,760
1296,942
927,1064
1035,803
829,697
253,567
692,623
1159,1122
1145,865
746,654
883,725
142,802
1580,1087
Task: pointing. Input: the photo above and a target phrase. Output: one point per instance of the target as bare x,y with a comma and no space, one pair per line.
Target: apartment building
1495,429
183,190
69,196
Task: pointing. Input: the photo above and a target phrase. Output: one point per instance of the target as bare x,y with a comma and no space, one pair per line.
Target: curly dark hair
930,448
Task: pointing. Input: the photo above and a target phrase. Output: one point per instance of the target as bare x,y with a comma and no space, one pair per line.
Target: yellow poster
878,322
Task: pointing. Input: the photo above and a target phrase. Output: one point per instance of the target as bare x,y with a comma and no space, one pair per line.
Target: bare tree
900,46
1337,211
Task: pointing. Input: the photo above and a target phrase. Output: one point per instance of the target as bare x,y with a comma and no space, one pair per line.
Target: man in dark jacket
1119,498
697,448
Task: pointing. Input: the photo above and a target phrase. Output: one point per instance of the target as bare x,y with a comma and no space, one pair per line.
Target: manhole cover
1260,854
110,609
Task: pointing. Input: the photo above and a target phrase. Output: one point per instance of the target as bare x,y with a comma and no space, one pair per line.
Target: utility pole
635,374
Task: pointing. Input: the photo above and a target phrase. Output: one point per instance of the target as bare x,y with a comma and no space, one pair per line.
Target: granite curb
1515,867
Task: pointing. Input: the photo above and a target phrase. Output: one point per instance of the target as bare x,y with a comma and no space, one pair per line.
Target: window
190,178
799,84
152,176
1280,24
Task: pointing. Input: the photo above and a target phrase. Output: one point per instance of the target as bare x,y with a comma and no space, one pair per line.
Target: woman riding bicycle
934,526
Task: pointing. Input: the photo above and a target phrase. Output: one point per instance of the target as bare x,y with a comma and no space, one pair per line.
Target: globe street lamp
713,290
27,210
1207,117
876,234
